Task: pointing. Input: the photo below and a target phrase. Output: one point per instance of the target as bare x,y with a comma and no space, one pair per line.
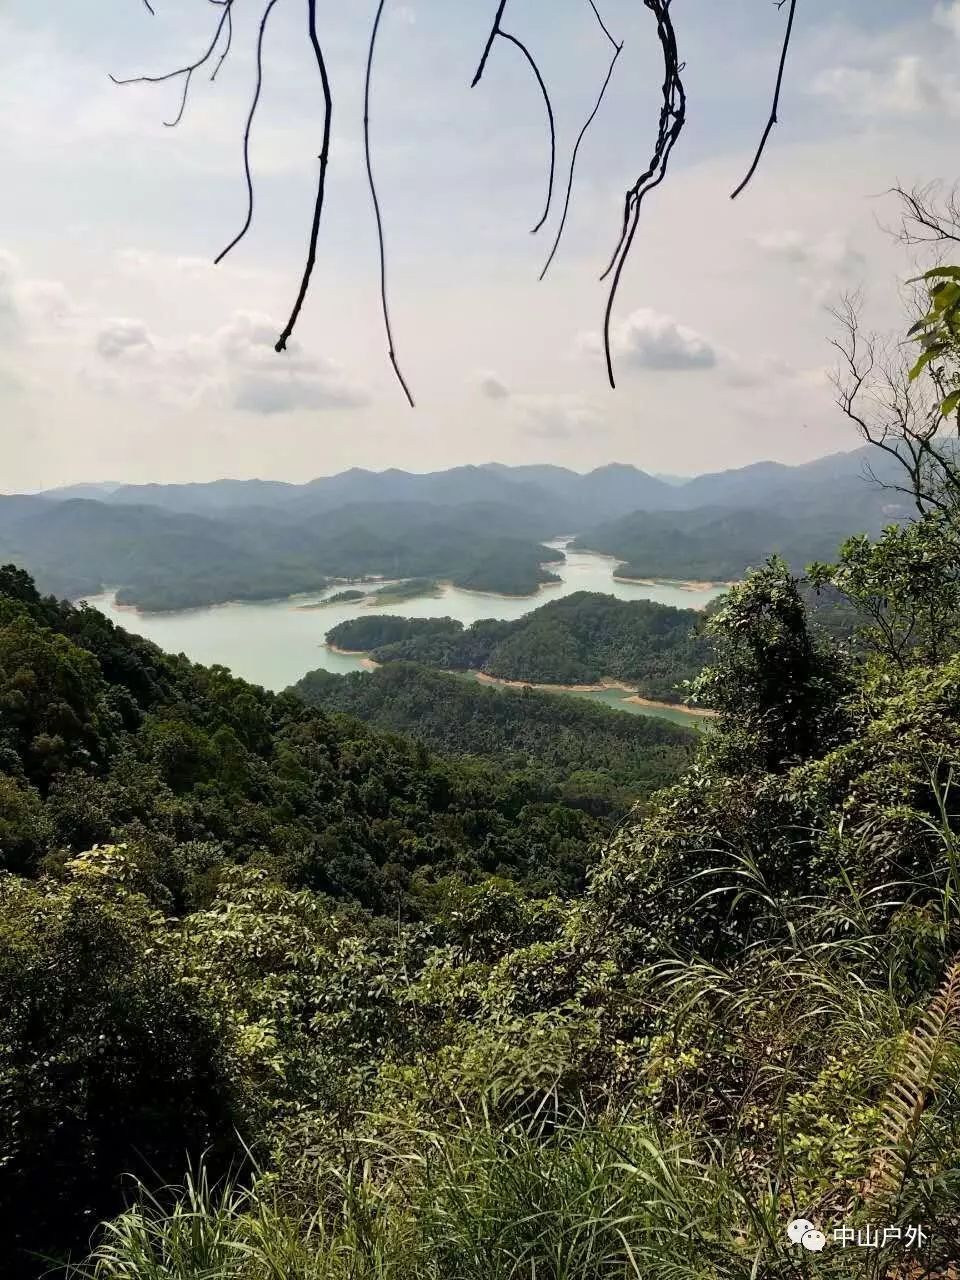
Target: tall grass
586,1201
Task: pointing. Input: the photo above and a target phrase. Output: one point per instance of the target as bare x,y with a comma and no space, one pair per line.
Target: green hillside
582,638
598,758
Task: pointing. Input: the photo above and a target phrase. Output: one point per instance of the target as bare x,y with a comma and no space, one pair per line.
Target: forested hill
719,544
105,738
600,759
176,546
163,559
582,638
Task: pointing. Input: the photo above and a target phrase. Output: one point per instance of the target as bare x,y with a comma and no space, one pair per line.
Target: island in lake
584,642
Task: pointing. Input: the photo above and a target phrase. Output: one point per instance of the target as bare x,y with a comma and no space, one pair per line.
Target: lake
274,642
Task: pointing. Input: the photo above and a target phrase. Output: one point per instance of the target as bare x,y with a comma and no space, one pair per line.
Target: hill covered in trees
163,559
180,546
598,758
580,639
200,948
719,544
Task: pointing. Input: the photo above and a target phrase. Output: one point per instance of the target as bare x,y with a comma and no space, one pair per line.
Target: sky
126,355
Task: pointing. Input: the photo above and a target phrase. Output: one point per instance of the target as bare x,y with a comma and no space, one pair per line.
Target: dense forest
749,1014
717,544
284,996
599,759
580,639
161,559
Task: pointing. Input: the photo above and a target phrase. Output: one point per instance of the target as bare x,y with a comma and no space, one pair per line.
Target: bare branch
251,114
573,159
321,181
930,214
227,46
376,205
672,118
494,32
776,97
895,415
505,35
149,8
603,25
187,71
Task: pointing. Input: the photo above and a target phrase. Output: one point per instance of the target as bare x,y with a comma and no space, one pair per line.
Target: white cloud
648,339
122,339
557,417
31,309
948,15
905,87
236,367
831,252
493,387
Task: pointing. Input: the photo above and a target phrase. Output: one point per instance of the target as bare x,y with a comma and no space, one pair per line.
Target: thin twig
672,118
494,31
150,9
603,25
573,161
505,35
376,205
186,71
246,137
321,183
227,47
776,97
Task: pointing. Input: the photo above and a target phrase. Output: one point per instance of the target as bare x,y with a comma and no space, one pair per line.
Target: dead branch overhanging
505,35
186,72
671,122
776,96
617,50
376,206
248,128
324,158
603,25
228,44
495,31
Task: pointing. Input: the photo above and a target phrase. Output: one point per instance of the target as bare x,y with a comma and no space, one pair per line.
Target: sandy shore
362,654
682,584
482,678
602,687
704,712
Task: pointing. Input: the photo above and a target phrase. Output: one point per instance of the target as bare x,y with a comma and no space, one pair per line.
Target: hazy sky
125,355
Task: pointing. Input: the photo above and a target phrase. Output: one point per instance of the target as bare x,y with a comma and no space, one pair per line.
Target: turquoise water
275,642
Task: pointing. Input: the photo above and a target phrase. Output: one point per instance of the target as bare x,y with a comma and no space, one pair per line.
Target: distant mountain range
175,545
610,491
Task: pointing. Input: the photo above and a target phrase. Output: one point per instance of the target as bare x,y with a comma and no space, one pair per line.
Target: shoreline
603,687
682,584
481,677
363,654
503,595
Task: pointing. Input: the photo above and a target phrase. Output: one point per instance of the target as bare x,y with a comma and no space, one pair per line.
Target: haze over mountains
604,493
178,545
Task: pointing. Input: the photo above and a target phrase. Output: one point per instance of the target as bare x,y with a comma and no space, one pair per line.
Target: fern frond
912,1087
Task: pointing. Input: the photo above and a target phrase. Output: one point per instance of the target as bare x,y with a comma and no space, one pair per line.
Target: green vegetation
712,544
598,759
349,1011
162,559
342,597
411,589
580,639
